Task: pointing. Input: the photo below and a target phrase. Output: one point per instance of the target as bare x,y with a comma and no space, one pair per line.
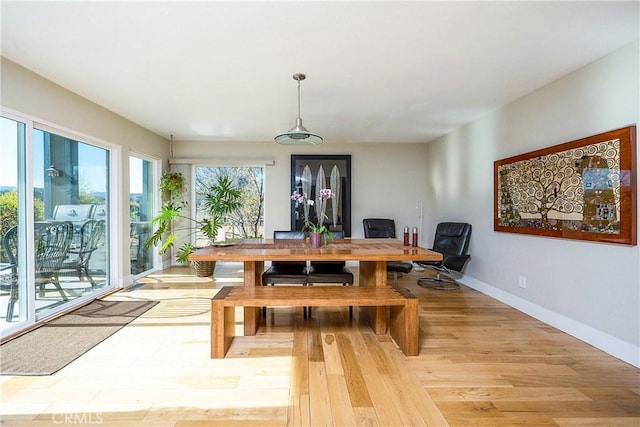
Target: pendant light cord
298,98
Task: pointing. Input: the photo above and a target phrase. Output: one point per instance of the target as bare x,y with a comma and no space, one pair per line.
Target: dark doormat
54,345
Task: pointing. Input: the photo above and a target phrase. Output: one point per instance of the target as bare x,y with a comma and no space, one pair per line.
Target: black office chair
386,228
452,241
330,272
286,272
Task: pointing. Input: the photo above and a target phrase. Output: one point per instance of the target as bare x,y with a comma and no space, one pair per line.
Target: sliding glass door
54,222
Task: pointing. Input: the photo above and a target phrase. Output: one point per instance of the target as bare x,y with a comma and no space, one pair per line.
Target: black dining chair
286,272
384,228
330,272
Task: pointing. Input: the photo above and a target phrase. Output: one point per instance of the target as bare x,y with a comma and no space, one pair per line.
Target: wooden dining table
372,255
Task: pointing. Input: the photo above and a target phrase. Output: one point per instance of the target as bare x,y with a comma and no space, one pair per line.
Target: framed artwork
310,174
584,189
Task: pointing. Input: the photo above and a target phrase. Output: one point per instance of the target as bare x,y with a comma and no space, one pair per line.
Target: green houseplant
171,185
220,199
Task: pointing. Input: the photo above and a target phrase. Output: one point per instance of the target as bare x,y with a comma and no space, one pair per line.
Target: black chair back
452,238
286,272
379,228
385,228
282,234
327,265
337,234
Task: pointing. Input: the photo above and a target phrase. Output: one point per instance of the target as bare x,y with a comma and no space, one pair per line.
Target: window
248,222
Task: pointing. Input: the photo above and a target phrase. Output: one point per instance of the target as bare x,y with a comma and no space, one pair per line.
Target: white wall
387,179
29,94
591,290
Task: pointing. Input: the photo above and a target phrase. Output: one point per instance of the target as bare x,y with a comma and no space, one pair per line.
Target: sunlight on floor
159,366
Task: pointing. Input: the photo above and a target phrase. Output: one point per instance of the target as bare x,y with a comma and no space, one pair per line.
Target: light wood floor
481,363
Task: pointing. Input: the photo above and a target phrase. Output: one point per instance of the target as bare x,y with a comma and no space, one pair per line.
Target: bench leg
405,326
223,321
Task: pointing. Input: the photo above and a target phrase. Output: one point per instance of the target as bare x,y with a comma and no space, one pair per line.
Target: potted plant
171,185
318,232
220,199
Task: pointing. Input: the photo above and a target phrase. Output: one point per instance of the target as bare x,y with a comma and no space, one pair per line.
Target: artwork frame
327,162
583,189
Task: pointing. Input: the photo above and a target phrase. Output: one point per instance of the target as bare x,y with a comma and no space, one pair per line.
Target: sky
9,154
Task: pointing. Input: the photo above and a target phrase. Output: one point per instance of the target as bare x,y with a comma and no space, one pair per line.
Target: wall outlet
522,281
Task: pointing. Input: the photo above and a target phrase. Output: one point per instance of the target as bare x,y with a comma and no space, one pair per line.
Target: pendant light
298,135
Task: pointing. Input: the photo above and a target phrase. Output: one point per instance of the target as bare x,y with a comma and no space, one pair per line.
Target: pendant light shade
298,135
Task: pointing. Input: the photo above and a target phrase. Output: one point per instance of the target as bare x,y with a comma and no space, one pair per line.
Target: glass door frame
25,257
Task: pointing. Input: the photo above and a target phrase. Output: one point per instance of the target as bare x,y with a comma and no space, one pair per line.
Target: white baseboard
607,343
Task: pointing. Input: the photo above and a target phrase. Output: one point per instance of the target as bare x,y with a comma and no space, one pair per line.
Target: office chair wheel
438,283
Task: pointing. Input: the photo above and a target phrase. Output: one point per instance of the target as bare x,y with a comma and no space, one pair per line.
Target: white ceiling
376,71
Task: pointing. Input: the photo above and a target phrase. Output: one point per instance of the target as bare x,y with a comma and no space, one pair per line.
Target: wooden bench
403,328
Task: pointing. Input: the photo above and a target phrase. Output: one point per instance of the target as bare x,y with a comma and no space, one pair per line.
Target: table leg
252,277
374,274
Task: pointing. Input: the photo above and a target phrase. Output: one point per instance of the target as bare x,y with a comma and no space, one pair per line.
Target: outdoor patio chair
92,234
52,243
9,269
